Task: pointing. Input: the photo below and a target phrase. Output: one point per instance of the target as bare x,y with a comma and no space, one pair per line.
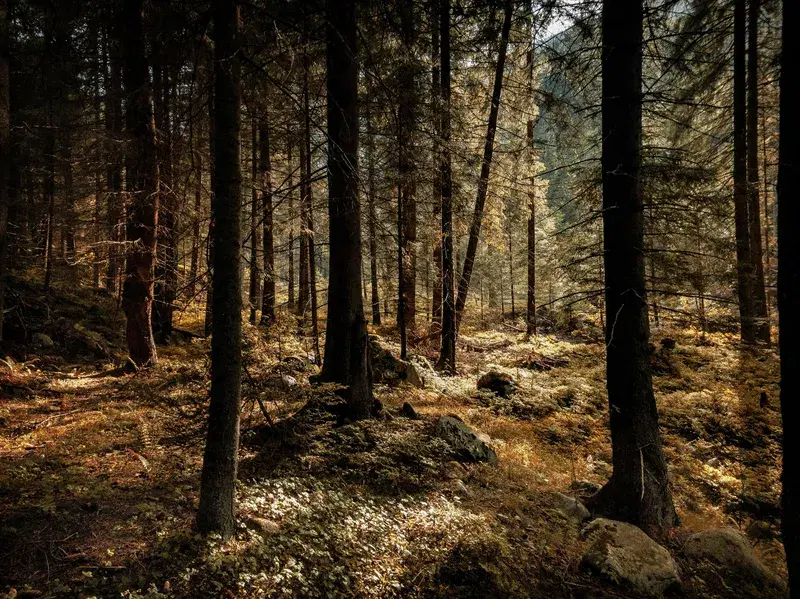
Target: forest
399,298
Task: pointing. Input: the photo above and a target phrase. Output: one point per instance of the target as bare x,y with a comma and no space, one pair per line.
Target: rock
263,525
452,470
465,442
414,375
298,363
498,383
408,411
728,549
283,382
625,554
584,488
570,507
385,367
43,341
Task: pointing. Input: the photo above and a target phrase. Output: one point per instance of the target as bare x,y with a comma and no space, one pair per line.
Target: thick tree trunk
744,262
447,350
638,491
486,165
371,221
754,205
217,511
5,153
142,186
265,172
789,287
346,343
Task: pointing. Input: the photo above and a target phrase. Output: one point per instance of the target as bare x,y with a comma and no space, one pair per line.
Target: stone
729,550
584,488
263,525
283,382
408,411
570,507
414,375
452,470
43,341
467,444
624,554
499,383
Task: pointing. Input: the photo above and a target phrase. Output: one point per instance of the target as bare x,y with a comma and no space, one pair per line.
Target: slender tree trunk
265,170
97,229
789,286
142,179
114,209
744,263
217,511
530,319
511,274
483,182
754,204
371,218
254,232
5,153
346,354
401,281
290,170
304,293
194,265
447,351
436,90
212,219
49,189
638,491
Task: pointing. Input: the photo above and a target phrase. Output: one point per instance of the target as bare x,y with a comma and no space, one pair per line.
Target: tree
638,491
265,171
789,286
346,343
447,350
142,185
486,165
5,153
220,460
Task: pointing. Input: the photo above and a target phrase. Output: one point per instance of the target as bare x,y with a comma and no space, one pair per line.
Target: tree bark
371,222
265,172
346,354
5,153
436,85
142,186
744,262
114,209
486,165
754,205
530,319
789,286
638,491
217,511
254,232
290,169
447,351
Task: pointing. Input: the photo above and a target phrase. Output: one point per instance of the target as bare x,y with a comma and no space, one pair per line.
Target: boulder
467,444
284,382
499,383
415,375
625,554
729,550
43,341
408,411
570,508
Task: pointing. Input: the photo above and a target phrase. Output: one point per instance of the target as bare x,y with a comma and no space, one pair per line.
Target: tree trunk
114,209
436,85
638,491
290,170
530,319
789,287
254,232
447,350
265,171
371,218
754,205
744,263
49,189
346,354
486,164
217,511
5,153
142,186
304,293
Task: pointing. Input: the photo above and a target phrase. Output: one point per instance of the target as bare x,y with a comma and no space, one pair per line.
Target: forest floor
99,468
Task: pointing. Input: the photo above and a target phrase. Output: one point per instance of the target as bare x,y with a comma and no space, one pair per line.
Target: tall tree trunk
197,169
789,286
447,350
254,232
371,222
209,315
114,209
638,491
436,85
407,207
217,511
304,293
346,354
744,263
265,172
71,217
754,205
511,273
49,189
290,169
486,165
142,187
97,230
5,153
530,319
